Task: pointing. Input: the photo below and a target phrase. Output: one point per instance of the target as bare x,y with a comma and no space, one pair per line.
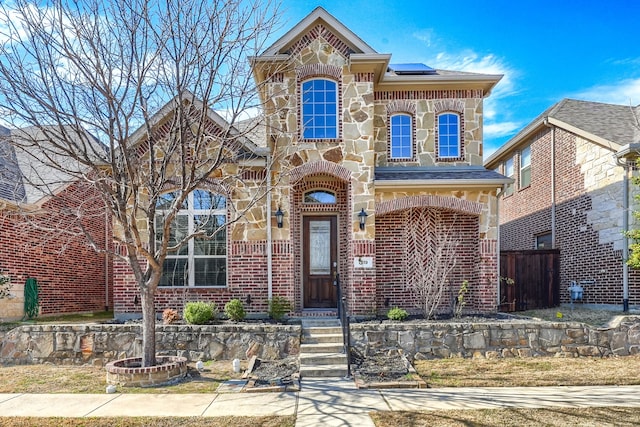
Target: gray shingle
465,173
11,185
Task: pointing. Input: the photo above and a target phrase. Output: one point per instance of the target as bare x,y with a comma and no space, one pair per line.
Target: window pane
448,135
319,109
210,271
525,177
174,272
204,200
217,245
401,136
324,197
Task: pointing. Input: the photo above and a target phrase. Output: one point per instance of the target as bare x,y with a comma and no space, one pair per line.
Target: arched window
319,196
201,260
319,109
401,136
448,135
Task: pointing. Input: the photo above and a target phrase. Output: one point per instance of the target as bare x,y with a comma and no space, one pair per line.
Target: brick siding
527,213
70,274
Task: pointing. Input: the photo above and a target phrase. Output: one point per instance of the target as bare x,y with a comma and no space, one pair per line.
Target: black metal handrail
344,321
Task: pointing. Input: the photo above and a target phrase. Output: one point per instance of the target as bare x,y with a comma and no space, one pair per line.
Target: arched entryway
321,233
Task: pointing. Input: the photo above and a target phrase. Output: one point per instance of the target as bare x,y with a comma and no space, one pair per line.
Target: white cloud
496,130
625,92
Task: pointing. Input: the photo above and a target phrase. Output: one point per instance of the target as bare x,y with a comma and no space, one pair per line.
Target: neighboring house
71,276
569,194
371,163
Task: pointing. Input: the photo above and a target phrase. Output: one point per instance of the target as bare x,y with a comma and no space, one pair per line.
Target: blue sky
547,50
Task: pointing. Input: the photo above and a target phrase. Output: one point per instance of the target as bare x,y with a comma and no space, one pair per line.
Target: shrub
397,314
234,310
169,316
199,312
278,307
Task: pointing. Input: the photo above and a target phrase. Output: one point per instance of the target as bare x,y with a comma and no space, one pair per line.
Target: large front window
201,260
319,109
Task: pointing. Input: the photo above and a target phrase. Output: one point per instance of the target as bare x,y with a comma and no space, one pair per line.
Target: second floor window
319,109
448,135
525,167
509,173
401,136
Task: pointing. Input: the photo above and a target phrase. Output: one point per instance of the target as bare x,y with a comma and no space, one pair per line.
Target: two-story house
572,192
372,166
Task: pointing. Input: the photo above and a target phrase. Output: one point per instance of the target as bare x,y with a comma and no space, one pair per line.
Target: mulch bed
384,369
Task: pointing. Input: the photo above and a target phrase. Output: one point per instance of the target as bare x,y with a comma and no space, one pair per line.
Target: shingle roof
618,124
11,185
612,122
440,173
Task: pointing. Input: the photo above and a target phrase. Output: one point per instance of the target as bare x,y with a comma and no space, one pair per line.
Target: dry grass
598,318
529,372
582,417
86,379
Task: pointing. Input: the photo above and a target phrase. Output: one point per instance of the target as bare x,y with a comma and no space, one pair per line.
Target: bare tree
431,253
87,78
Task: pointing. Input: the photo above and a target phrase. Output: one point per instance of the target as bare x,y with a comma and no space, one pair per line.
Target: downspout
625,240
269,236
625,234
498,197
106,260
553,182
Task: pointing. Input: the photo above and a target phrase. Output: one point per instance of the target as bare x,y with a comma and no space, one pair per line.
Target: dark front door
319,261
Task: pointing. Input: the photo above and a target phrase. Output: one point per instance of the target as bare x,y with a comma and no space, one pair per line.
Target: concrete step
320,322
322,359
322,348
317,339
318,330
323,371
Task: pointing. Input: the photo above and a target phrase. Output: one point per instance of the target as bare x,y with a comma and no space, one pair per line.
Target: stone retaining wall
500,339
99,344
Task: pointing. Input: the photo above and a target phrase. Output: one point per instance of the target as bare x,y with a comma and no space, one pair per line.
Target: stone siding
496,340
100,344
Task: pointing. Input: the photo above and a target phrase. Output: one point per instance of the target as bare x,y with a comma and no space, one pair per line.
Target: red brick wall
472,265
527,213
71,275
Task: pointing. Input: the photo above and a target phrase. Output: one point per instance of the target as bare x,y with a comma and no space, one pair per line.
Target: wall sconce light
387,301
363,218
279,217
248,299
136,300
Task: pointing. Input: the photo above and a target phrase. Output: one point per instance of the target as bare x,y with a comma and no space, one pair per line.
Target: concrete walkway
321,402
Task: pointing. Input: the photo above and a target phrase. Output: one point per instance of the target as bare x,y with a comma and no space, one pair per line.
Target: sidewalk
321,402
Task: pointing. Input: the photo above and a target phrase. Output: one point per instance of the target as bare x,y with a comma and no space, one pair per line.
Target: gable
319,23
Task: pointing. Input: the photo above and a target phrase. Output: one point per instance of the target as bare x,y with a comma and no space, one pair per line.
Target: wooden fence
529,279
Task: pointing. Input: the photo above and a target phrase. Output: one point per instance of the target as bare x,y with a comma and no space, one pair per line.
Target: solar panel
411,69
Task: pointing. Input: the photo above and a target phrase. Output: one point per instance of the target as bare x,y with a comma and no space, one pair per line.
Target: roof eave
486,82
442,183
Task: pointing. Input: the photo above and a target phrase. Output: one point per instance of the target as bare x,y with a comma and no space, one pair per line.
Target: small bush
278,307
169,316
199,312
397,314
235,310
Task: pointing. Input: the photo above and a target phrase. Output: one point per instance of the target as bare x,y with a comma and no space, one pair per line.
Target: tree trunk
148,328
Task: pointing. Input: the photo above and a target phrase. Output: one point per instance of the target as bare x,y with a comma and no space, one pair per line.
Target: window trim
411,136
509,189
459,134
524,168
191,213
302,117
